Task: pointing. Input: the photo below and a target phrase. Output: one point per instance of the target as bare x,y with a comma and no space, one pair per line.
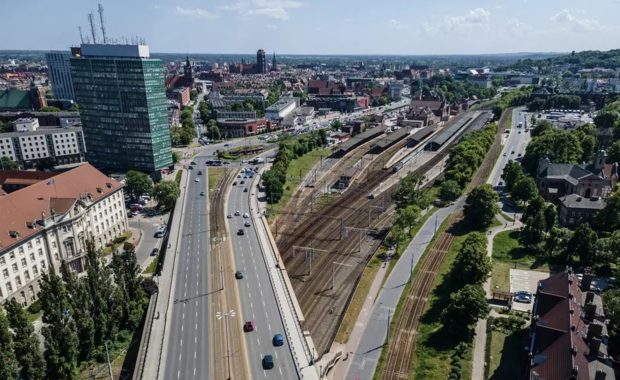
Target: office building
48,223
395,90
281,108
59,71
29,144
123,107
261,62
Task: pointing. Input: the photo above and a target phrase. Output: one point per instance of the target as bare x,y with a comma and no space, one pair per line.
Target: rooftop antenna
81,35
105,39
91,21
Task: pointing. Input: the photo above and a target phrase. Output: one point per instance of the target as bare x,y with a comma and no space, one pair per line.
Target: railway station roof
361,138
393,137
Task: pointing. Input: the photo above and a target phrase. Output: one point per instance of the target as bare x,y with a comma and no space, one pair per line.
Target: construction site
327,234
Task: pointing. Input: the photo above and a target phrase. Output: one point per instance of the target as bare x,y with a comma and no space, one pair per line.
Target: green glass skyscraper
122,100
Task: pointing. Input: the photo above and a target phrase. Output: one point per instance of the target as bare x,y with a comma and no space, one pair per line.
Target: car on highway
197,180
278,340
202,193
235,183
245,190
242,182
238,175
238,275
246,215
225,163
505,154
248,326
519,155
237,213
154,252
247,224
268,362
193,163
230,216
191,167
241,231
199,173
513,152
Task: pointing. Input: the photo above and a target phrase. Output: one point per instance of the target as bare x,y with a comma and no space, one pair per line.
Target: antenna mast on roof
91,21
105,39
81,35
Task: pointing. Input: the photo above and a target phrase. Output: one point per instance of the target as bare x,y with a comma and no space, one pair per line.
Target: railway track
401,352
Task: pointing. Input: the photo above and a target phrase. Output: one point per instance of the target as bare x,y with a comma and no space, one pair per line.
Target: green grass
509,253
508,218
152,266
215,175
496,223
177,178
504,356
34,311
108,250
298,168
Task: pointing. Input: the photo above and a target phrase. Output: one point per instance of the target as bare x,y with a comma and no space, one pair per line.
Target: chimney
595,330
590,311
594,346
600,375
586,281
589,298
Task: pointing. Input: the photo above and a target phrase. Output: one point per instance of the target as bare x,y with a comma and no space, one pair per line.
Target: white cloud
577,25
475,18
397,24
266,8
195,13
514,26
277,13
272,26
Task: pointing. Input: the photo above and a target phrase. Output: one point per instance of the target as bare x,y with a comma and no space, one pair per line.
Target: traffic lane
259,301
148,241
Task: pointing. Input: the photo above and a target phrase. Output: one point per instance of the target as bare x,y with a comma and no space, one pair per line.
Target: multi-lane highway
188,354
514,144
257,298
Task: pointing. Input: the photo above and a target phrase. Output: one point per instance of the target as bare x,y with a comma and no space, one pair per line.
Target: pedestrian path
478,361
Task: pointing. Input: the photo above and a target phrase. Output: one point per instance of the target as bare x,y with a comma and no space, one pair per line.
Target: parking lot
525,280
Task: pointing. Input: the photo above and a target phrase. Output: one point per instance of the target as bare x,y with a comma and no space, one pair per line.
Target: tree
407,217
611,305
533,234
7,164
584,244
613,152
176,157
606,119
511,174
322,137
608,219
472,264
138,183
541,127
26,342
410,192
74,107
560,147
536,105
61,342
214,133
466,306
481,206
193,94
45,164
449,190
586,133
273,186
336,124
8,361
81,304
50,109
129,290
166,194
383,100
524,189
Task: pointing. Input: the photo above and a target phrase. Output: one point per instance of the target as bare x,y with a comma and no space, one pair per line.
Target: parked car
136,207
523,299
154,252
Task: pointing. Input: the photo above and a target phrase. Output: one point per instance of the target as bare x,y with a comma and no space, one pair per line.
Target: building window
31,256
9,287
27,276
21,250
15,267
32,295
5,273
12,255
2,261
54,244
38,240
41,252
24,262
29,245
18,282
43,263
35,271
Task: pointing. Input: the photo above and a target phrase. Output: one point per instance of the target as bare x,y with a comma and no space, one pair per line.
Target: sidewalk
156,348
480,340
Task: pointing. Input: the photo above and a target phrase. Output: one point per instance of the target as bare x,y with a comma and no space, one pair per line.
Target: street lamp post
219,316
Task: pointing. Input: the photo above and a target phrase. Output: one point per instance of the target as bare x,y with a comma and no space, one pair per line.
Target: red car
248,326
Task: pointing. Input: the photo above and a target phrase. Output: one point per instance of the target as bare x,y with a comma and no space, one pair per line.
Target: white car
237,213
246,215
230,216
197,180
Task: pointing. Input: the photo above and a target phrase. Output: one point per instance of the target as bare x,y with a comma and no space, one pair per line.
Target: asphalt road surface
188,353
256,295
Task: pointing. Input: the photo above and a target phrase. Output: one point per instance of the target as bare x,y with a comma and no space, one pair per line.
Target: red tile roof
29,204
23,176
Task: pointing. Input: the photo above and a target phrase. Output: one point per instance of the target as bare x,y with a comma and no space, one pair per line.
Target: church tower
189,72
274,65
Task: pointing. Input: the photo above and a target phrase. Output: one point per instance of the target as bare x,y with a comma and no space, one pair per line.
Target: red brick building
322,87
181,95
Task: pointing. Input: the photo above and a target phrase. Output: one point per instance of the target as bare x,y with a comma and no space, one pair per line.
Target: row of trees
187,132
80,316
458,91
568,102
464,160
471,268
165,192
512,99
275,178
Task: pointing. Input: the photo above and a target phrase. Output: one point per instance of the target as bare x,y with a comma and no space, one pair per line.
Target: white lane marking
183,315
181,342
280,368
269,326
179,357
258,340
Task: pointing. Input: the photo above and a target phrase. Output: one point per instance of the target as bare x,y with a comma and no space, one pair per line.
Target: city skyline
302,27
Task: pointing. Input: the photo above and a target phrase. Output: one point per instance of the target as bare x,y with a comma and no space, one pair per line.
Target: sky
400,27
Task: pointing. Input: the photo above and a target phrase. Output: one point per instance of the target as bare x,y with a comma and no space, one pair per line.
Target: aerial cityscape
293,190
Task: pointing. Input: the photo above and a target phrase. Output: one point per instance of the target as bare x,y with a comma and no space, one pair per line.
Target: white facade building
26,125
48,223
395,90
59,71
63,145
281,108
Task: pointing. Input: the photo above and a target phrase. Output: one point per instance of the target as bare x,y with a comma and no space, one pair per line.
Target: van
161,231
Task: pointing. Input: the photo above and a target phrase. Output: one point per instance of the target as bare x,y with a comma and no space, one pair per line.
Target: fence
146,337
